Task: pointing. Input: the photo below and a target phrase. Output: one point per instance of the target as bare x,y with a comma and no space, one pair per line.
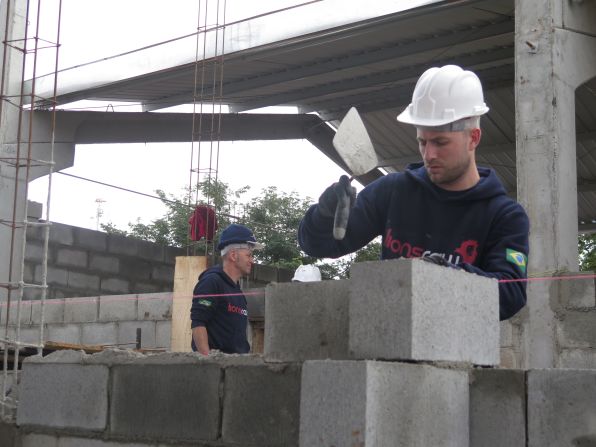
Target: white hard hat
307,273
444,95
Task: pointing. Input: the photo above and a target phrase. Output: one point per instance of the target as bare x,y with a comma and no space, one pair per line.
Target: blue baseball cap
238,234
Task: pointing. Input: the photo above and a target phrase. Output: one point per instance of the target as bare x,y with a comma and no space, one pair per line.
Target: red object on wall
203,223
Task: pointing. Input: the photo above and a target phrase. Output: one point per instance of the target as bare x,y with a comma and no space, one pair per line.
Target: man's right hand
329,198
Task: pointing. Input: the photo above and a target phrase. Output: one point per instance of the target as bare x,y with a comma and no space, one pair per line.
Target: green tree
587,252
274,217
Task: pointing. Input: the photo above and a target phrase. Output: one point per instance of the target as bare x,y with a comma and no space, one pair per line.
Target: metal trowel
356,149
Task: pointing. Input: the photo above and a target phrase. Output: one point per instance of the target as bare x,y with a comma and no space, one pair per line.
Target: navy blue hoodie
480,229
219,305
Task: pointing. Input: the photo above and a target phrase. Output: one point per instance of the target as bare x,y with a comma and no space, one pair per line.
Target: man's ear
475,135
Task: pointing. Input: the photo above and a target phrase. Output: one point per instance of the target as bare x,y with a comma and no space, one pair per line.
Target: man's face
449,157
244,260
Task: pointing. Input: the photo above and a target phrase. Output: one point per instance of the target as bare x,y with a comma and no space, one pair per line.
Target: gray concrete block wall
64,396
414,310
84,262
561,407
497,408
179,402
307,321
101,320
367,403
261,405
158,400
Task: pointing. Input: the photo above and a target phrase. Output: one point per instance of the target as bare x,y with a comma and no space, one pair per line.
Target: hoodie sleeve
315,233
506,258
203,305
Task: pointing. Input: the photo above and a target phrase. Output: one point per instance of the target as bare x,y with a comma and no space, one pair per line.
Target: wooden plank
186,275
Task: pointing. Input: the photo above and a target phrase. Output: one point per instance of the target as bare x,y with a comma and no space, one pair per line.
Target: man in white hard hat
445,208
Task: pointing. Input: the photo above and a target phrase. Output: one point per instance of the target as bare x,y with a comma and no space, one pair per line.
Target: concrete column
553,56
10,187
13,153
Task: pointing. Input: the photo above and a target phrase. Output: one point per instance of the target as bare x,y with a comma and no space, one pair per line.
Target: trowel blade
354,145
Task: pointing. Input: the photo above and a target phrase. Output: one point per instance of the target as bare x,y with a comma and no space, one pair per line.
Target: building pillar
553,56
20,157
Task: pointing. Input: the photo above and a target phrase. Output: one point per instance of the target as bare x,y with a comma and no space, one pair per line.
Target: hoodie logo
468,250
205,303
517,258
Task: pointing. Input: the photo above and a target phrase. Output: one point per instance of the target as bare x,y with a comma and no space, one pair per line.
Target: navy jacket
219,305
481,229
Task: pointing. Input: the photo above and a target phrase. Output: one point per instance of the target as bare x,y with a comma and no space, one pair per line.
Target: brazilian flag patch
517,258
205,303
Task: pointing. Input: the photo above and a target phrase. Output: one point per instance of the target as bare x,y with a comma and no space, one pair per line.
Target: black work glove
329,198
436,258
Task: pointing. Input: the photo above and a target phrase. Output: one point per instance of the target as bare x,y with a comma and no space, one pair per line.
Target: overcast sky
91,30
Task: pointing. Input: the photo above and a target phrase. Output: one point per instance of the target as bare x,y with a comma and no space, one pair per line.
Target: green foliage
273,216
587,252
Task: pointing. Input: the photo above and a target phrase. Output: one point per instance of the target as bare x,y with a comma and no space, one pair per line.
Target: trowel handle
342,212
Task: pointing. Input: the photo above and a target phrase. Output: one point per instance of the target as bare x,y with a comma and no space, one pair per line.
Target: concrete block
151,251
61,234
94,240
105,264
99,334
34,251
114,286
79,280
66,333
64,396
90,442
368,403
306,321
12,311
163,334
53,276
143,287
117,307
172,401
8,434
71,257
578,293
264,273
136,269
510,358
261,405
127,333
30,334
577,329
163,273
38,440
497,408
409,309
561,407
53,311
154,306
255,303
505,334
577,359
122,245
81,310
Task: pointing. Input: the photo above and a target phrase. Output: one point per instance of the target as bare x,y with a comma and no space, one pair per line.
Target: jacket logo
237,310
517,258
467,252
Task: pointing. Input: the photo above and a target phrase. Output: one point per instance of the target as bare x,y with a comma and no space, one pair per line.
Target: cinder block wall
84,262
